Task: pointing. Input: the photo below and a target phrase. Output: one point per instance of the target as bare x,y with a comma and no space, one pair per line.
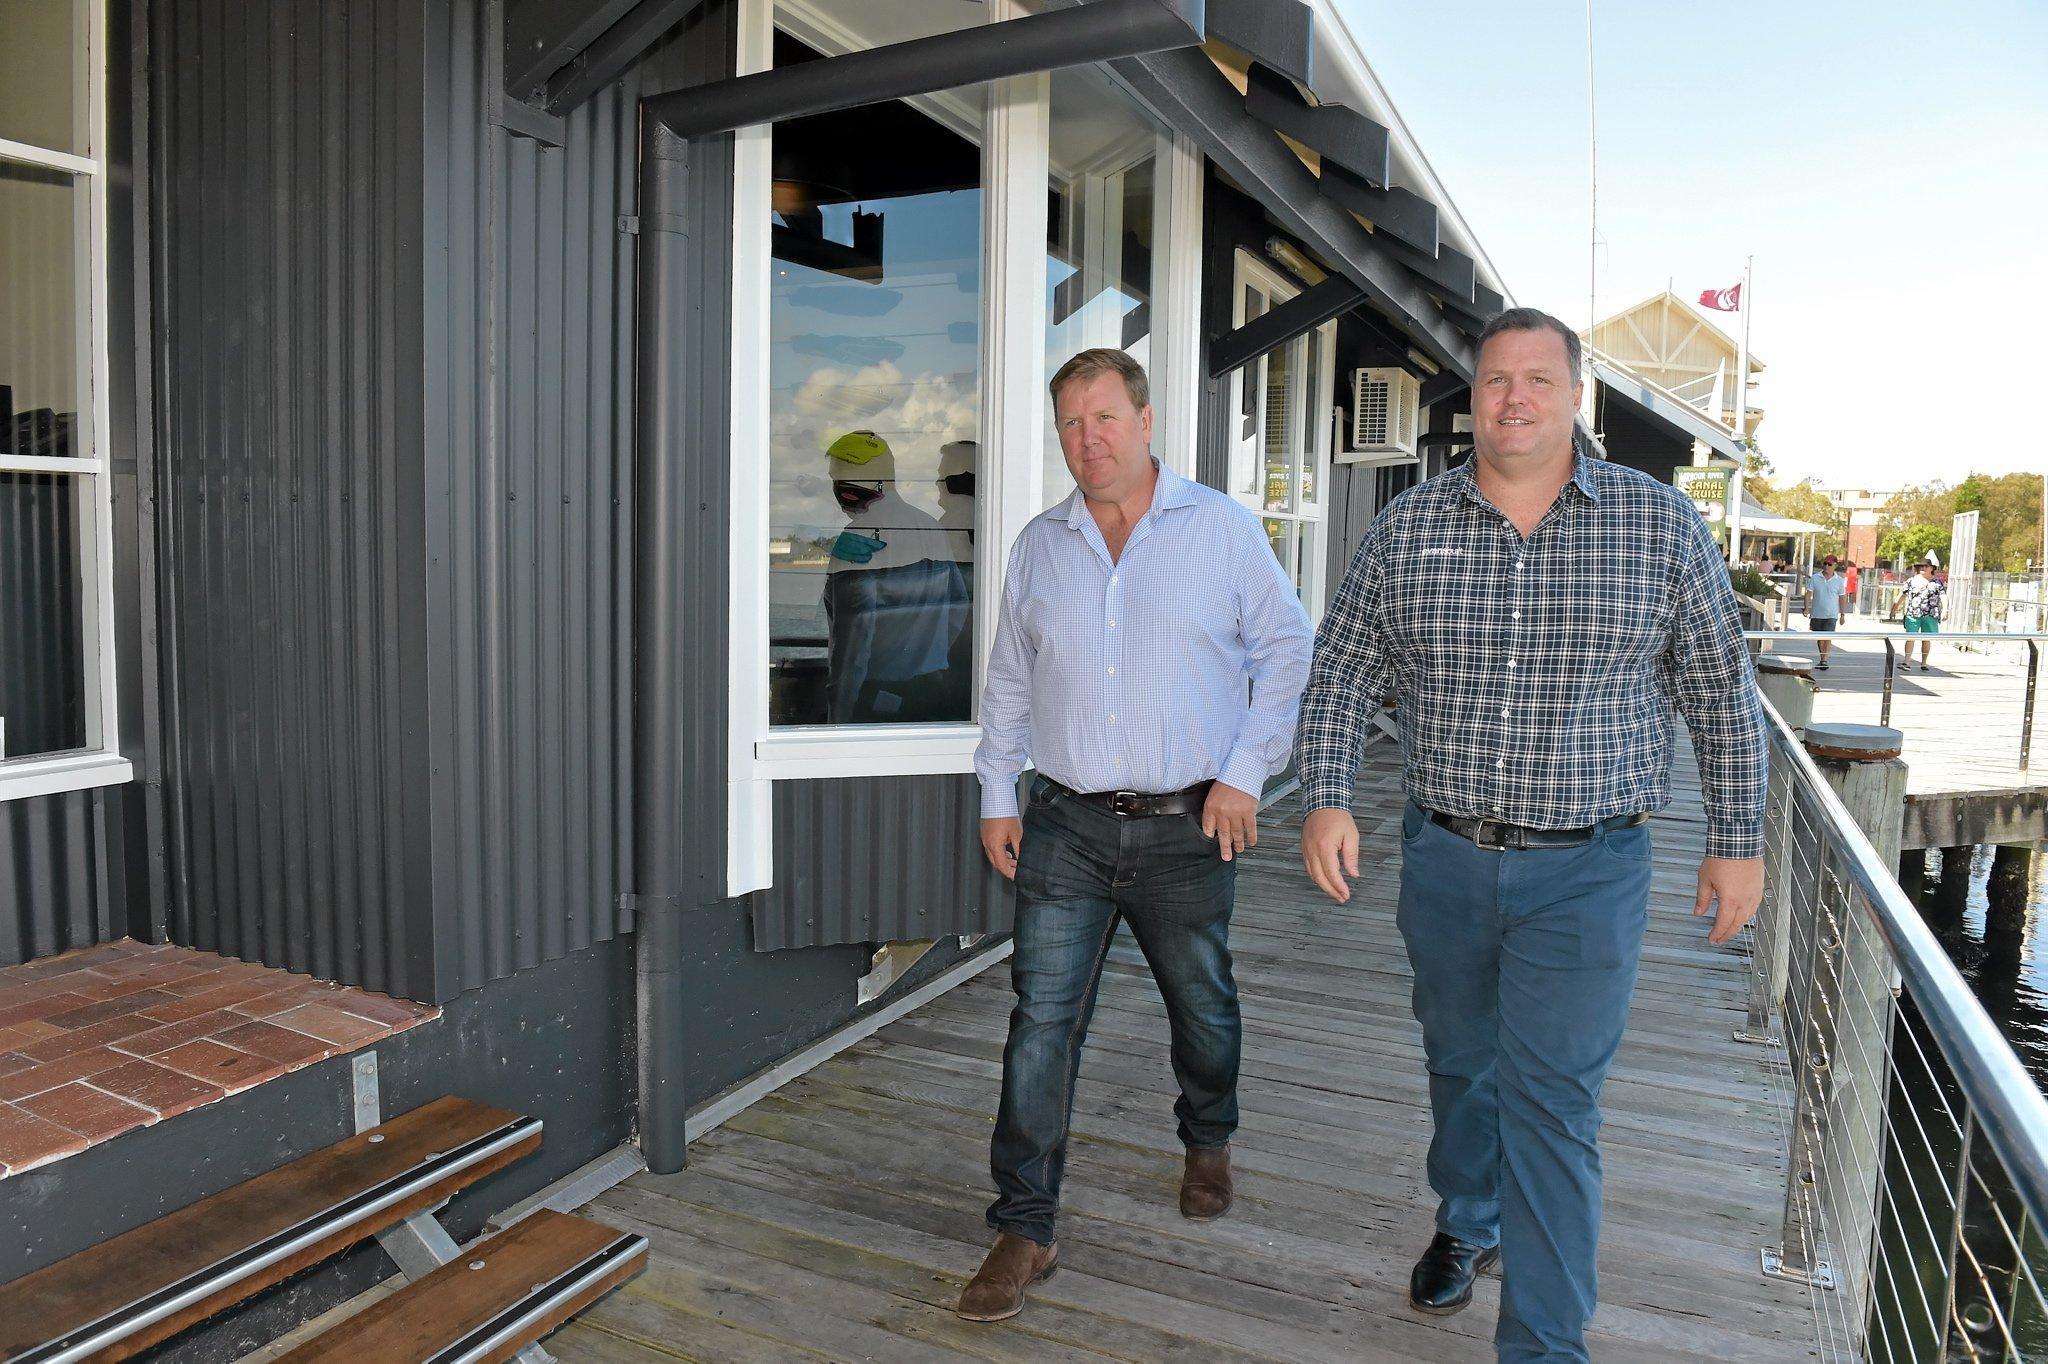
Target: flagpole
1741,418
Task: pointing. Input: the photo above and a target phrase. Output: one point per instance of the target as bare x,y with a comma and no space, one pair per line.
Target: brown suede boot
1205,1187
997,1289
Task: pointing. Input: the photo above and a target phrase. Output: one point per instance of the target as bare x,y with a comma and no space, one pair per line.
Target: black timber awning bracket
1099,30
1187,92
1398,213
1333,297
1332,131
1279,33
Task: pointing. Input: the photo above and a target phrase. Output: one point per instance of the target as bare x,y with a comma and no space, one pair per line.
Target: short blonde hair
1088,364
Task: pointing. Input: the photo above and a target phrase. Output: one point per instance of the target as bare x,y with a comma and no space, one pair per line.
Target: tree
1805,502
1913,543
2008,511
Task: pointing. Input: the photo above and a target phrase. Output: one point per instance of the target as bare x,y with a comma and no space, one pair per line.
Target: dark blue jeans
1524,965
1080,872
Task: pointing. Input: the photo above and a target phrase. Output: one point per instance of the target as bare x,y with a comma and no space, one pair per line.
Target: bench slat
532,1277
121,1296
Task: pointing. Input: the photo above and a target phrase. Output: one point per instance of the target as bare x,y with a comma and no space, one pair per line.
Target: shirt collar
1466,478
1171,491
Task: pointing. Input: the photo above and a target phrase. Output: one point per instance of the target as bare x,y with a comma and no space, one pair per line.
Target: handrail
2012,1114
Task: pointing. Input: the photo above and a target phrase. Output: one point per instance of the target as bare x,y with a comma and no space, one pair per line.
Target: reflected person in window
1148,661
896,601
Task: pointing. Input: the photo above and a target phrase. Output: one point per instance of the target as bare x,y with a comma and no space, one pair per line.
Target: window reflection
1099,234
874,315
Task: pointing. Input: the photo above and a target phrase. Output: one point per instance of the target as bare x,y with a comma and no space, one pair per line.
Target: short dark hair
1532,320
1100,360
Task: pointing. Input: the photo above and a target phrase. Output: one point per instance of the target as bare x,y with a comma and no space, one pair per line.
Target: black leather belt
1142,804
1496,835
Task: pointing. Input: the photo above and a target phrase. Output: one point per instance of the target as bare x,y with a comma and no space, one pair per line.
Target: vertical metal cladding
42,661
878,859
52,886
529,383
286,171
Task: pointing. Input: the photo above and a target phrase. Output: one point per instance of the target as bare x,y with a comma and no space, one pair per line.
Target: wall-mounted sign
1709,490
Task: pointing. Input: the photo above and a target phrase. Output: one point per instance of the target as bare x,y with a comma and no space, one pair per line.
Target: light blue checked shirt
1182,661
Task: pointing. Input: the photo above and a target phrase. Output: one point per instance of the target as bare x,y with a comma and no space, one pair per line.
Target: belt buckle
1493,842
1124,802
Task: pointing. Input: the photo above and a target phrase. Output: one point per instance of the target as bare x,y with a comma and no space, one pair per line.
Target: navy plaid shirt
1537,679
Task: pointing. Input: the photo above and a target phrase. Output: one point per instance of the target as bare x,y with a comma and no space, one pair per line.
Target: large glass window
1103,157
875,303
55,640
1282,444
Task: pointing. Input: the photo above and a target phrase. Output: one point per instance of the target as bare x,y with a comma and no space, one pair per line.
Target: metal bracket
1760,1039
1823,1275
420,1244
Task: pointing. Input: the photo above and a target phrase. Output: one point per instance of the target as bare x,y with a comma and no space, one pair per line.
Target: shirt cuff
1324,795
1737,839
1244,771
999,800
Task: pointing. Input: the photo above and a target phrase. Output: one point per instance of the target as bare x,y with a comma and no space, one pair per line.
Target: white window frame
99,762
1312,414
1014,175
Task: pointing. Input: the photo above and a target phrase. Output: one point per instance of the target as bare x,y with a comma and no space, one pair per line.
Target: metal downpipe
660,343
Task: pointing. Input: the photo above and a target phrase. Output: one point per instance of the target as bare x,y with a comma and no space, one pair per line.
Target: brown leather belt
1497,836
1142,804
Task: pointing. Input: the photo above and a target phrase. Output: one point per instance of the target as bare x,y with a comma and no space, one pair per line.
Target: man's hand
1231,817
1329,848
1001,840
1737,883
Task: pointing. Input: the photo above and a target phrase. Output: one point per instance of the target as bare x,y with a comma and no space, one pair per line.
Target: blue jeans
1524,965
1082,870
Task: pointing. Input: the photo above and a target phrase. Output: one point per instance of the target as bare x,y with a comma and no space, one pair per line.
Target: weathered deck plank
839,1217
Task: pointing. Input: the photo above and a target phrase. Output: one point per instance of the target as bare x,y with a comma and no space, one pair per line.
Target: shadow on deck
839,1217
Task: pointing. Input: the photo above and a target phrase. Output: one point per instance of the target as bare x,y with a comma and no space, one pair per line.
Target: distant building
1681,350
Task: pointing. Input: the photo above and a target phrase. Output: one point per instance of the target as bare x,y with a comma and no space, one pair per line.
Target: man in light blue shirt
1824,604
1149,659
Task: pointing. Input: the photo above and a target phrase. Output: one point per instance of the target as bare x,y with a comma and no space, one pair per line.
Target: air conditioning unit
1386,407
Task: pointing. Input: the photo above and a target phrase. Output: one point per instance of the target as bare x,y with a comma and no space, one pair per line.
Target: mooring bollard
1838,1042
1787,683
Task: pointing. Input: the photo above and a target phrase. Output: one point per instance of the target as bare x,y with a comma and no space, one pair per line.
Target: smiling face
1524,399
1107,440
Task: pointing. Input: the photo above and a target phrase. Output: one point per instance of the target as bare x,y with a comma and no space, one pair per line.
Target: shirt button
1112,717
1503,715
1518,615
1500,762
1112,672
1496,809
1112,625
1518,568
1511,663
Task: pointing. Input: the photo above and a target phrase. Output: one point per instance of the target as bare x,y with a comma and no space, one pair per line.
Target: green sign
1709,490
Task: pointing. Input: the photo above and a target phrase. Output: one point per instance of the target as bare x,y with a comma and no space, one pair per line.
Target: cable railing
1916,1193
2030,688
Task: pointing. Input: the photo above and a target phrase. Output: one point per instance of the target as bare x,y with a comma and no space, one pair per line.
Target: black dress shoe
1442,1281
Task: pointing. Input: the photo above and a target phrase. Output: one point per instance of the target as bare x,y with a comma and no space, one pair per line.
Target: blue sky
1886,164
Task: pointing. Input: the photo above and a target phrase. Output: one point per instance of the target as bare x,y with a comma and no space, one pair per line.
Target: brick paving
107,1039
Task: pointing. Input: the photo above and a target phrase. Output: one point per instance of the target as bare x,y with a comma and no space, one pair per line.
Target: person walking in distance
1920,604
1149,660
1824,605
1544,617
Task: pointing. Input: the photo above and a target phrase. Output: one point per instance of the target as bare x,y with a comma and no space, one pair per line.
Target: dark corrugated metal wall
287,187
529,351
879,859
42,668
51,881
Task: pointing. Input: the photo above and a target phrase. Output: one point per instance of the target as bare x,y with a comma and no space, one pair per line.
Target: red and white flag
1722,300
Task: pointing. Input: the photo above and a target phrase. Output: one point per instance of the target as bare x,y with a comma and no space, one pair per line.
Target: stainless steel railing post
1809,1047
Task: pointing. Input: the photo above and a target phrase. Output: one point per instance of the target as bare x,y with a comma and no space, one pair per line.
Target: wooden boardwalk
838,1218
1961,721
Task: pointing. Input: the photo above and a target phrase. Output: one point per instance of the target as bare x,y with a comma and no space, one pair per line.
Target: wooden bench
492,1300
126,1294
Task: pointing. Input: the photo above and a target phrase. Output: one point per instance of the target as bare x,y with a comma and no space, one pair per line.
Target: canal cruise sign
1709,490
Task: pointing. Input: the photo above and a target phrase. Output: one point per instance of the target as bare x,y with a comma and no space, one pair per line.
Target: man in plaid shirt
1539,615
